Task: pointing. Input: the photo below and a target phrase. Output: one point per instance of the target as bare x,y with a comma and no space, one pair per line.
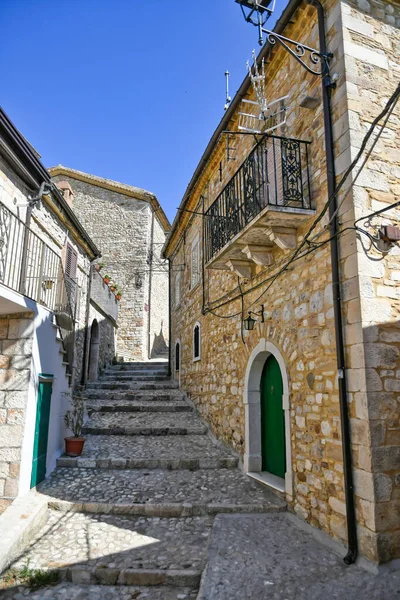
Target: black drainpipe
352,550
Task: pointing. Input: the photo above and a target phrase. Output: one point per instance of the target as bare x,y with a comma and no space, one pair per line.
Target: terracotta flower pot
74,446
118,297
106,280
112,288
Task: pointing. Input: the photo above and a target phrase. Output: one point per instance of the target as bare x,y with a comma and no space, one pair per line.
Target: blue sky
131,90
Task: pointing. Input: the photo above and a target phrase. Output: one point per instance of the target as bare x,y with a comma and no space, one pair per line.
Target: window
196,342
178,289
195,265
177,356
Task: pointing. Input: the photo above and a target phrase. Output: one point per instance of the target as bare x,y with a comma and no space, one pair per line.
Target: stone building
280,393
45,262
129,226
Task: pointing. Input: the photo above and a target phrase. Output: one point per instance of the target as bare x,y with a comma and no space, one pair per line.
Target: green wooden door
272,419
41,429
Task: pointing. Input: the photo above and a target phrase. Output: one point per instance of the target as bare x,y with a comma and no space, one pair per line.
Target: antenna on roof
259,116
228,99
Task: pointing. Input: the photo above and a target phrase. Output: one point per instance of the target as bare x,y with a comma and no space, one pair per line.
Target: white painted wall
46,358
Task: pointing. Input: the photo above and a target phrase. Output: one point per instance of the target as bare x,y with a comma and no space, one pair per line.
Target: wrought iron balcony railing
29,266
275,174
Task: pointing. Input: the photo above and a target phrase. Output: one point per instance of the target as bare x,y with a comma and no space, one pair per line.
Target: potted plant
73,420
118,295
106,279
113,287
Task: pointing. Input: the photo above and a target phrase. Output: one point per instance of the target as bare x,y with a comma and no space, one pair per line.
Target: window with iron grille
195,264
177,356
196,342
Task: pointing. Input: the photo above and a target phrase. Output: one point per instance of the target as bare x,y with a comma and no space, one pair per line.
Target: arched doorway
94,351
267,418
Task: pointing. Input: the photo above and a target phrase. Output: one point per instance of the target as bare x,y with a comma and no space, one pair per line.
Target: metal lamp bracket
300,52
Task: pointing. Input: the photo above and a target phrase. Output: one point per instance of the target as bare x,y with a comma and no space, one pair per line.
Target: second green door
272,419
41,429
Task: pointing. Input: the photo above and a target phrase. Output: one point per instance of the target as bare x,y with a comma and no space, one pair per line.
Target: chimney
66,191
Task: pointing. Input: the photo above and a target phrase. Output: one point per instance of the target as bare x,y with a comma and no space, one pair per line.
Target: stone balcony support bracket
242,268
259,255
284,237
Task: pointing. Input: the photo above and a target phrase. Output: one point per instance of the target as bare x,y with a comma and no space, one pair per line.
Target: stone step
167,423
151,452
124,385
157,492
134,372
137,395
70,591
132,378
138,365
133,406
121,550
137,368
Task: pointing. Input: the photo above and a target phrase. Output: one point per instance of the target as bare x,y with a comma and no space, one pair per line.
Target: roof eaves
121,188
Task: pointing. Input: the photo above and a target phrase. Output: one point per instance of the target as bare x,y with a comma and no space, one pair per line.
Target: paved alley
156,509
135,512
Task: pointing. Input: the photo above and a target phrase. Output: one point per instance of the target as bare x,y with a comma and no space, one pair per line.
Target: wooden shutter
71,262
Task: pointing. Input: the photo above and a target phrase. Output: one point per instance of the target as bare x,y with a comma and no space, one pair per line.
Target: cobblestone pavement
257,557
178,451
201,487
68,591
141,423
137,508
139,394
119,542
133,405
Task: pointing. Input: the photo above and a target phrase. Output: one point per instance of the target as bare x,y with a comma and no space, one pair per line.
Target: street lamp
257,12
249,322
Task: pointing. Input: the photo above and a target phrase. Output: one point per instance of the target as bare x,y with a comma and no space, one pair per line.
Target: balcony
29,266
261,206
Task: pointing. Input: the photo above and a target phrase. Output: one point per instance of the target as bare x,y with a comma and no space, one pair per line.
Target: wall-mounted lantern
249,322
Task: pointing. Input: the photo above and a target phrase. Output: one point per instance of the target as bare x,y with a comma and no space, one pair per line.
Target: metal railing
275,173
29,266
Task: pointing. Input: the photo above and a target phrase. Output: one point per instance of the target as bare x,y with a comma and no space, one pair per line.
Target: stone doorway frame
252,401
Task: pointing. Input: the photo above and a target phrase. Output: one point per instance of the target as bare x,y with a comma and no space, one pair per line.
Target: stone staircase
132,516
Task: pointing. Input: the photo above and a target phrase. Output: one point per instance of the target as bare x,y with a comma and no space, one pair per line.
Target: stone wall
16,332
121,227
299,320
372,66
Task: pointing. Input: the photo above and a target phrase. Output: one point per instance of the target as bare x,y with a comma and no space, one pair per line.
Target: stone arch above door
252,401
